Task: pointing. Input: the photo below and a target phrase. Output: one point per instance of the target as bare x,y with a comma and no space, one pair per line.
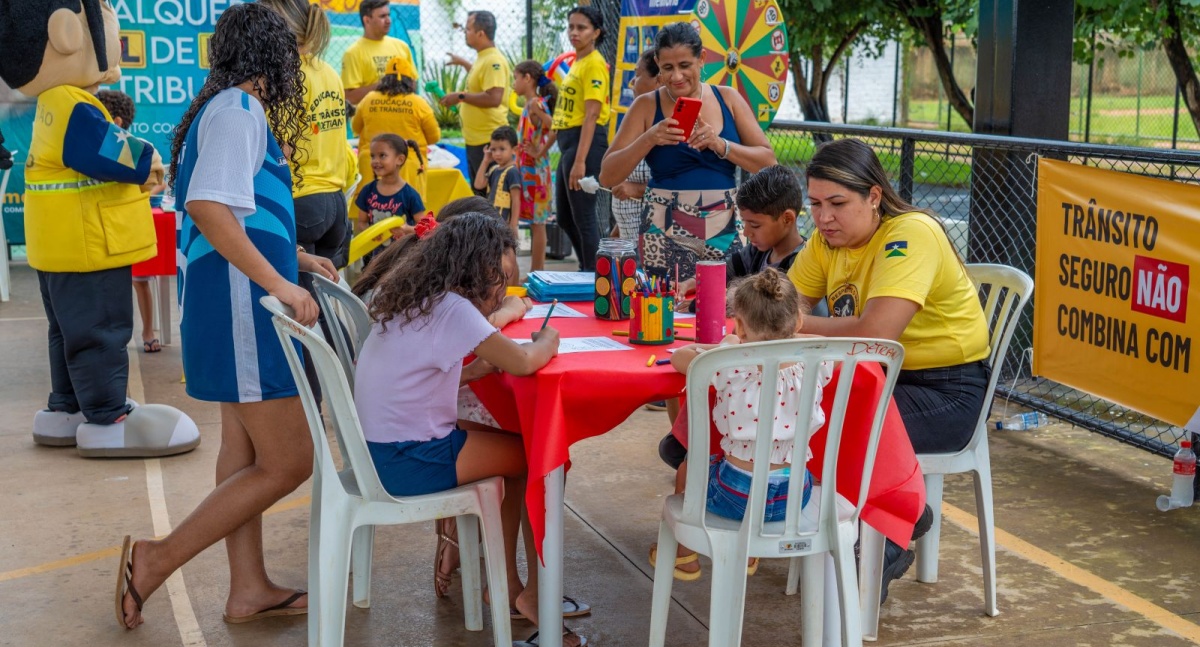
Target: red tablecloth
896,497
582,395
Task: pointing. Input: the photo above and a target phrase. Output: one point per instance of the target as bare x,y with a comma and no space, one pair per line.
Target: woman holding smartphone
691,214
581,128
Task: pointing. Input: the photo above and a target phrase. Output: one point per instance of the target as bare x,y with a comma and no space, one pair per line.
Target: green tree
926,23
820,33
1173,25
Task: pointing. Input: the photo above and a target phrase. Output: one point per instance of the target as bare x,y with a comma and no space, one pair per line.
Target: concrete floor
1084,557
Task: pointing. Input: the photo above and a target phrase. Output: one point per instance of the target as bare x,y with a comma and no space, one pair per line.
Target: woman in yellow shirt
319,182
581,128
395,108
888,270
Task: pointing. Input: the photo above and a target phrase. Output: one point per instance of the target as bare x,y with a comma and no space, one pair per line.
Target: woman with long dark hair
233,186
581,128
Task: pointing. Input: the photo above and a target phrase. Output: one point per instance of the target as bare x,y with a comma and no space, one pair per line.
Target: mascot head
48,43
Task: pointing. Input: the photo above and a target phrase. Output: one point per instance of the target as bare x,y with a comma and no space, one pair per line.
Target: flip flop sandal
282,609
680,574
446,543
571,608
151,346
532,640
752,567
125,582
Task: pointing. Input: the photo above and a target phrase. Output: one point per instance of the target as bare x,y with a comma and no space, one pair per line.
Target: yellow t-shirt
324,161
490,70
587,81
364,62
910,257
408,115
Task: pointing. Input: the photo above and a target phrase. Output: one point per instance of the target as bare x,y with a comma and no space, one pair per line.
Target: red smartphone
687,111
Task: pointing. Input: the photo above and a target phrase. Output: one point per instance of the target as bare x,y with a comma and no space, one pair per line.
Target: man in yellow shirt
488,80
363,62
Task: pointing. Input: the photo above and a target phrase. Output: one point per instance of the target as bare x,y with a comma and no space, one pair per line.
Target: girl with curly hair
430,311
232,182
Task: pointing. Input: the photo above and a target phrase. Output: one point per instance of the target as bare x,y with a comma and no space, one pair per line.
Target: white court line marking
181,604
4,319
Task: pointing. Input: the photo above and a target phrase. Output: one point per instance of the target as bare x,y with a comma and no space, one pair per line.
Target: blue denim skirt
729,490
418,467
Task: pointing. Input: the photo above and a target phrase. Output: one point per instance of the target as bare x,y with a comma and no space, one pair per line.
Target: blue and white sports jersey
230,350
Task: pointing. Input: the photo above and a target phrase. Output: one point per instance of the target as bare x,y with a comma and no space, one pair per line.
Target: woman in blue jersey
232,183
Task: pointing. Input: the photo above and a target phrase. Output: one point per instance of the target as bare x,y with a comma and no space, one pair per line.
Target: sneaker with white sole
149,430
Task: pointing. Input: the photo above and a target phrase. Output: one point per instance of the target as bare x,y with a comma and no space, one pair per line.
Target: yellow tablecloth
444,185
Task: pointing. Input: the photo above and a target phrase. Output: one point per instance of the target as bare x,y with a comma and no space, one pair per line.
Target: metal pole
845,87
908,158
950,108
1087,120
1137,119
896,82
1175,124
529,29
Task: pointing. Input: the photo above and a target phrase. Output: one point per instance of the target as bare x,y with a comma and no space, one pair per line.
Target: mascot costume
87,220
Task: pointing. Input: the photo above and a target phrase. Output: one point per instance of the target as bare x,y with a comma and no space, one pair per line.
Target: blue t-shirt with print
379,206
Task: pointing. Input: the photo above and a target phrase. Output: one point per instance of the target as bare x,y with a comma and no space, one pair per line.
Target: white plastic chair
345,504
1004,291
825,526
340,306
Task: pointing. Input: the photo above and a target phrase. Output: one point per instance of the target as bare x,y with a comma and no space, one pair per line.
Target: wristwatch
462,96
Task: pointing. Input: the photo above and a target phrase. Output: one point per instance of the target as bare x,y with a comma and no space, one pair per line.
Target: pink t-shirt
406,381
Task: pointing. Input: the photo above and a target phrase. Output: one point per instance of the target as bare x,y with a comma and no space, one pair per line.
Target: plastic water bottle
1185,473
1023,421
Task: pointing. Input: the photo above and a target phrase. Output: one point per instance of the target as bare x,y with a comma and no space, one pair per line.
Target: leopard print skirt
681,228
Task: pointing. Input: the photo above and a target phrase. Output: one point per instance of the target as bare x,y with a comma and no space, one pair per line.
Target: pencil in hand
549,313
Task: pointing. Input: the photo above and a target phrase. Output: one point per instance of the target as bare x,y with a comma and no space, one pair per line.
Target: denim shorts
729,490
416,467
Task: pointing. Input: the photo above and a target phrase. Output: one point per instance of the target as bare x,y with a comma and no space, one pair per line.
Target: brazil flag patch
896,248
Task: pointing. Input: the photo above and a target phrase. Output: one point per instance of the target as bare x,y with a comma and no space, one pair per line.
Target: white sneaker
148,431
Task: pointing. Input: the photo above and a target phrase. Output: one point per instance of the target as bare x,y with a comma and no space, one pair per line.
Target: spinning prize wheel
745,47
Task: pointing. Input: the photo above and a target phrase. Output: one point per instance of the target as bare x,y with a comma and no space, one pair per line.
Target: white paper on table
685,315
539,312
567,345
565,278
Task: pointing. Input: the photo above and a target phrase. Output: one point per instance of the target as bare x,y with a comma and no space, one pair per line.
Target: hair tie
426,225
543,81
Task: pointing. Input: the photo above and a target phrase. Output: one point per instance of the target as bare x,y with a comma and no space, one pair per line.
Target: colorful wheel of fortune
745,47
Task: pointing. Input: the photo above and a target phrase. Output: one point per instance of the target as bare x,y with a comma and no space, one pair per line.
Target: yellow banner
1115,254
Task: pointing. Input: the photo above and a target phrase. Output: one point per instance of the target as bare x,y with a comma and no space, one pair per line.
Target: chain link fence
985,191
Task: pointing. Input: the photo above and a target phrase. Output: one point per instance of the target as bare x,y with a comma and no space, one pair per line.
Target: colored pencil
682,338
650,362
548,313
663,362
621,333
684,325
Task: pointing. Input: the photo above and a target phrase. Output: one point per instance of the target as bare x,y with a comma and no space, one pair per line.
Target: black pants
322,225
474,161
576,210
940,406
91,322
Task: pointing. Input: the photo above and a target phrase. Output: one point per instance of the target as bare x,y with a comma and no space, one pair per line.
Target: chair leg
793,580
664,577
314,561
362,548
472,587
847,594
928,546
870,579
987,529
497,570
334,561
812,599
727,602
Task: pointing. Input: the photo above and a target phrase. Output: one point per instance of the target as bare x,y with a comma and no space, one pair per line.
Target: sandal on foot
446,558
125,582
284,608
680,574
151,346
571,608
532,640
752,567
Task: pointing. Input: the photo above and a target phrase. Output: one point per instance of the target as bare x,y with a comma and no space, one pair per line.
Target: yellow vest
75,223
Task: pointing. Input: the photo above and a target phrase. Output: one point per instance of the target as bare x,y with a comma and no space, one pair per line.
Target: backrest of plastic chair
340,306
808,354
336,391
1005,291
